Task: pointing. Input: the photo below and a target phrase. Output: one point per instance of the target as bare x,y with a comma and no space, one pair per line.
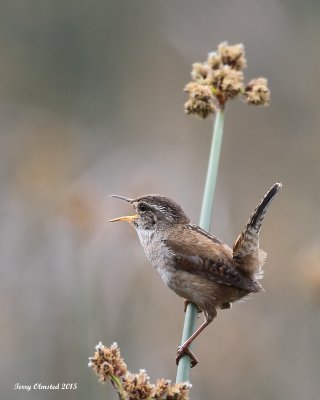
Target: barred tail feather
246,252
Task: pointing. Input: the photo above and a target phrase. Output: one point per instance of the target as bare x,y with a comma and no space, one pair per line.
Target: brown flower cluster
164,389
137,386
107,362
109,365
257,92
219,79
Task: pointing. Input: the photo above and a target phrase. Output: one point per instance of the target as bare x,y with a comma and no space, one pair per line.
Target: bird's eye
142,207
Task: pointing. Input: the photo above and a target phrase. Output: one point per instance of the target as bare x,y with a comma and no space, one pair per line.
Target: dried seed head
227,81
161,388
200,100
199,107
214,60
137,386
179,391
220,79
164,389
107,361
108,364
198,91
257,92
200,72
232,55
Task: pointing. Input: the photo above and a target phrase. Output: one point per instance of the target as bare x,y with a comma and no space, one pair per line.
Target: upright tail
246,252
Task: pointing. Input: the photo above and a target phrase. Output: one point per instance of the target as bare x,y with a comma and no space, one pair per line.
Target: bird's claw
182,351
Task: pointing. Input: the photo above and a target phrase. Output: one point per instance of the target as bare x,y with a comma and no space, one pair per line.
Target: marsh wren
195,264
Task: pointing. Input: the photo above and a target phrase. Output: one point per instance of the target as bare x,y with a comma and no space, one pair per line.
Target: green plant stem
213,165
116,383
190,320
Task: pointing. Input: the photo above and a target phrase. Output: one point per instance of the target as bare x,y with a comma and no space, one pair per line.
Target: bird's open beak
128,218
115,196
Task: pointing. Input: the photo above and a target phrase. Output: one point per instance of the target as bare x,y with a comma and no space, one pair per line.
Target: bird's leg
184,348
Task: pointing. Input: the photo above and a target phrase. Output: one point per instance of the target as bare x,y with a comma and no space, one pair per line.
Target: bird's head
153,212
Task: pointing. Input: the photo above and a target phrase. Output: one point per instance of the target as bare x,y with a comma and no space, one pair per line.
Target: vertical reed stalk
184,366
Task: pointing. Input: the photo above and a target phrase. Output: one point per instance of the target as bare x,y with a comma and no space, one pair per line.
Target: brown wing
201,254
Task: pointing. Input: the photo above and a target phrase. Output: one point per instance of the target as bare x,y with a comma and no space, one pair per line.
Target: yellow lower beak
128,218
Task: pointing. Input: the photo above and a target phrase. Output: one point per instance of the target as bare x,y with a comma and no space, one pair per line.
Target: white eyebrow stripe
159,208
164,210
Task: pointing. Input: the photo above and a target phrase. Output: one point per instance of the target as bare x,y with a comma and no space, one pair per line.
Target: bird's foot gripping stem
184,350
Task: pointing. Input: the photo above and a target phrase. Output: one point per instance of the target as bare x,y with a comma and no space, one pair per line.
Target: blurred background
91,104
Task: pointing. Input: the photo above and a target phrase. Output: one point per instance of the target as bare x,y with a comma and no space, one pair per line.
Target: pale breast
159,255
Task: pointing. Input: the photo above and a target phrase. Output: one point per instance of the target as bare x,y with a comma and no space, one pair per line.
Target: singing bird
195,264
